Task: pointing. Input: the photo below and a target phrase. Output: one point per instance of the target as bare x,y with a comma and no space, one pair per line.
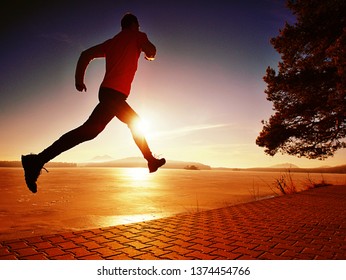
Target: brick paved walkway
306,225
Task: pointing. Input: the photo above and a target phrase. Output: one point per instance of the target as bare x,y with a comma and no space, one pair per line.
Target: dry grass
254,191
285,183
311,184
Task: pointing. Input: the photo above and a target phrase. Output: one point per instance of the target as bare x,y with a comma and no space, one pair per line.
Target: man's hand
149,50
81,87
150,58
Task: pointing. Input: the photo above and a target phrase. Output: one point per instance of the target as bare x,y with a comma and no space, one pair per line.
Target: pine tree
308,92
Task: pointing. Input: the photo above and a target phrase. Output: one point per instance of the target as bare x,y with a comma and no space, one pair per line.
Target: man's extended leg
97,121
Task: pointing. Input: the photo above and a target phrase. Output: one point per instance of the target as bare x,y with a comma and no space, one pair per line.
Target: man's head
129,21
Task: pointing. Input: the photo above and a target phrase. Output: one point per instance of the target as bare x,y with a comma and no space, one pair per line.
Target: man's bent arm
83,62
150,50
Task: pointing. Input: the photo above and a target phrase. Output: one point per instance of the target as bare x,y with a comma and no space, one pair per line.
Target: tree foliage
308,92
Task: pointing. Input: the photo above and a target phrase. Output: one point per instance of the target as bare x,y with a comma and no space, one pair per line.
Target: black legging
111,104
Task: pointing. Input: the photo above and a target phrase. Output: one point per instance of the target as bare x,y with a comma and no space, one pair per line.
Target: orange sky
202,98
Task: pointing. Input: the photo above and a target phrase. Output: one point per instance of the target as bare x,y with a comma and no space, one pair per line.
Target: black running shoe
155,163
32,169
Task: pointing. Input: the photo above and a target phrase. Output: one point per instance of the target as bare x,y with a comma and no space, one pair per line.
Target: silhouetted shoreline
135,162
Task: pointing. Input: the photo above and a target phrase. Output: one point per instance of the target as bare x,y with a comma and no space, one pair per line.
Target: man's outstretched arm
83,62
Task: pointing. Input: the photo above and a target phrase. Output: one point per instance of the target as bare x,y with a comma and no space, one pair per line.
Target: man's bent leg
127,115
153,163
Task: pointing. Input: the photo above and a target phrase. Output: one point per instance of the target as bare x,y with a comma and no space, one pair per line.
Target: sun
143,126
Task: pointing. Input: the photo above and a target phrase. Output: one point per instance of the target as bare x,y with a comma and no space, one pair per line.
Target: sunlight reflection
140,177
138,174
129,219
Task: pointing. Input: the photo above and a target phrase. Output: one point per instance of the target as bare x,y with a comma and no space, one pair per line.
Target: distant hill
103,158
336,169
284,165
341,169
140,162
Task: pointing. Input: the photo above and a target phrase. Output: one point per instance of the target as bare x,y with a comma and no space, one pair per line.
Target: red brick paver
306,225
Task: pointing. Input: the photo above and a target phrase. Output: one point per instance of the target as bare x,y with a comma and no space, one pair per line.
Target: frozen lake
81,198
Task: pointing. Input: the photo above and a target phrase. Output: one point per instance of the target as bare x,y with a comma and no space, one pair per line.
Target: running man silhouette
121,54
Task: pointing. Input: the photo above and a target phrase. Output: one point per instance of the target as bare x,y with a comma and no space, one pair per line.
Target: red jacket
121,53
